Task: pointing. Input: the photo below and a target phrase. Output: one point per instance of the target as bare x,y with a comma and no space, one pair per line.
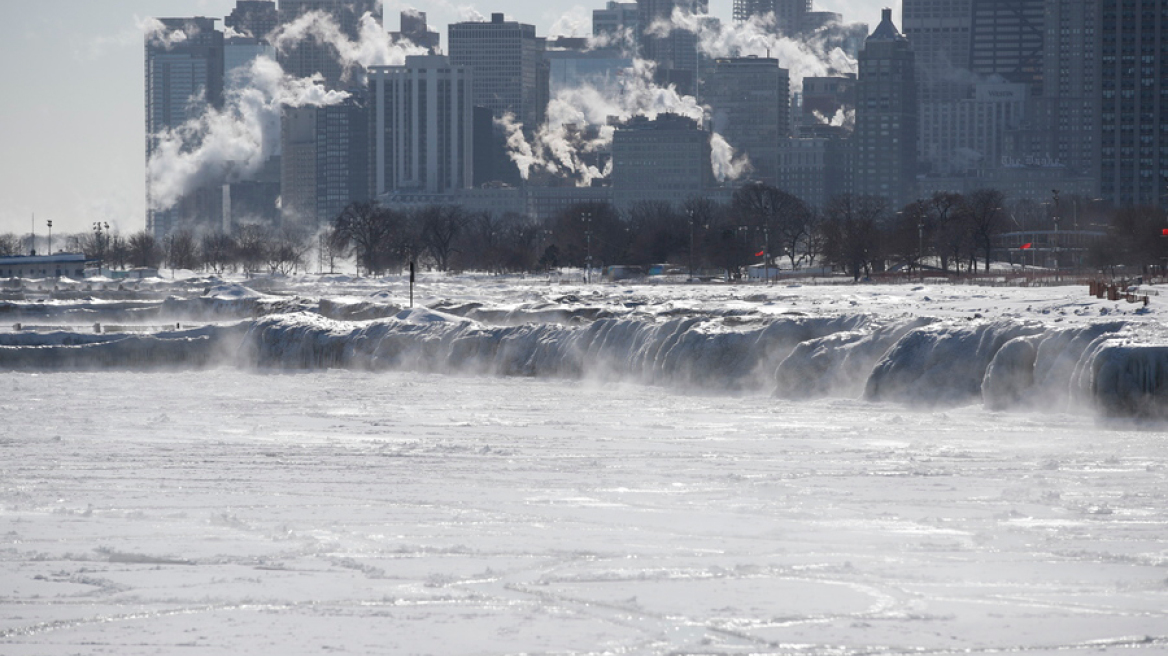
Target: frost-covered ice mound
1049,348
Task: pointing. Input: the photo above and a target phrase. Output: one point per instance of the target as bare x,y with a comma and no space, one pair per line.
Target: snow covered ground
381,482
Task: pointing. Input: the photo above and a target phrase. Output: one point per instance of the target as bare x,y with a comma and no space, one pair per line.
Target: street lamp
99,242
1055,218
691,243
50,223
921,236
586,217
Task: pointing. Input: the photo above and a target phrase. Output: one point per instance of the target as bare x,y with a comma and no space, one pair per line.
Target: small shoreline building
57,265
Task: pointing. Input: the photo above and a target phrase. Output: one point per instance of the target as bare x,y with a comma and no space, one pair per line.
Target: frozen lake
226,511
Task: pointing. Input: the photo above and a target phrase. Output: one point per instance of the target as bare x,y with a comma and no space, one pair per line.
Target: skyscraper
750,102
308,57
415,30
885,140
789,14
1069,109
615,19
421,122
254,18
504,57
184,76
673,50
1006,39
1134,113
940,37
325,161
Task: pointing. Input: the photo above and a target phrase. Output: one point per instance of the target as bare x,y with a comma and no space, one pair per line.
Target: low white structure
71,265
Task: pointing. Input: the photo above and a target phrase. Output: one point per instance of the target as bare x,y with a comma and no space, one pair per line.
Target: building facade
308,57
422,126
325,162
253,18
940,36
885,140
1071,86
183,77
1006,39
790,15
505,59
1134,101
667,158
750,105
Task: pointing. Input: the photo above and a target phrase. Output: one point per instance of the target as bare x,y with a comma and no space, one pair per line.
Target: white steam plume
232,143
158,35
560,146
844,117
803,58
374,46
576,22
726,165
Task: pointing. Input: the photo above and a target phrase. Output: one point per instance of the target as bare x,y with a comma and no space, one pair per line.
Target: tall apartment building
750,105
309,57
1134,101
183,78
1069,109
675,53
325,161
421,123
970,134
254,18
1006,39
415,30
616,19
885,140
940,36
667,158
790,15
506,64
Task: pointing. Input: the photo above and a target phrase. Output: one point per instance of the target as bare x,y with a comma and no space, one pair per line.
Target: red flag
1164,232
1026,245
760,254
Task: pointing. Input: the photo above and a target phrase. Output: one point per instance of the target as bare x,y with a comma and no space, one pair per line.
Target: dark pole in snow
411,284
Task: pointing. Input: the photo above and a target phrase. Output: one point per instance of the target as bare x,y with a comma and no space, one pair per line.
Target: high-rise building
667,158
616,20
505,60
415,30
885,140
750,104
966,135
254,18
1006,39
309,57
325,160
422,126
1069,109
675,50
184,76
1134,101
940,37
789,14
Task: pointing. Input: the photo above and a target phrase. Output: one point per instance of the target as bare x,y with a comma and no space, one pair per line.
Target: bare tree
9,244
217,251
181,250
440,227
986,215
372,232
143,250
852,238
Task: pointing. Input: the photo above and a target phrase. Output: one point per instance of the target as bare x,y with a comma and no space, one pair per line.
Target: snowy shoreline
1053,349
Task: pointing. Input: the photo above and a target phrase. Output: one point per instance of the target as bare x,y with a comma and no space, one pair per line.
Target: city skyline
73,152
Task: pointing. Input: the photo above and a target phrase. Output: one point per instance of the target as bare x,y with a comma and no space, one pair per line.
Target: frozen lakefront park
306,466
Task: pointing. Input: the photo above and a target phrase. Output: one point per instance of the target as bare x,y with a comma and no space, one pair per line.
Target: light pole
99,242
1055,193
586,217
921,237
691,244
50,223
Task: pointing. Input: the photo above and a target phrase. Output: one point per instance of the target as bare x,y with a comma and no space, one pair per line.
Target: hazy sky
72,118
